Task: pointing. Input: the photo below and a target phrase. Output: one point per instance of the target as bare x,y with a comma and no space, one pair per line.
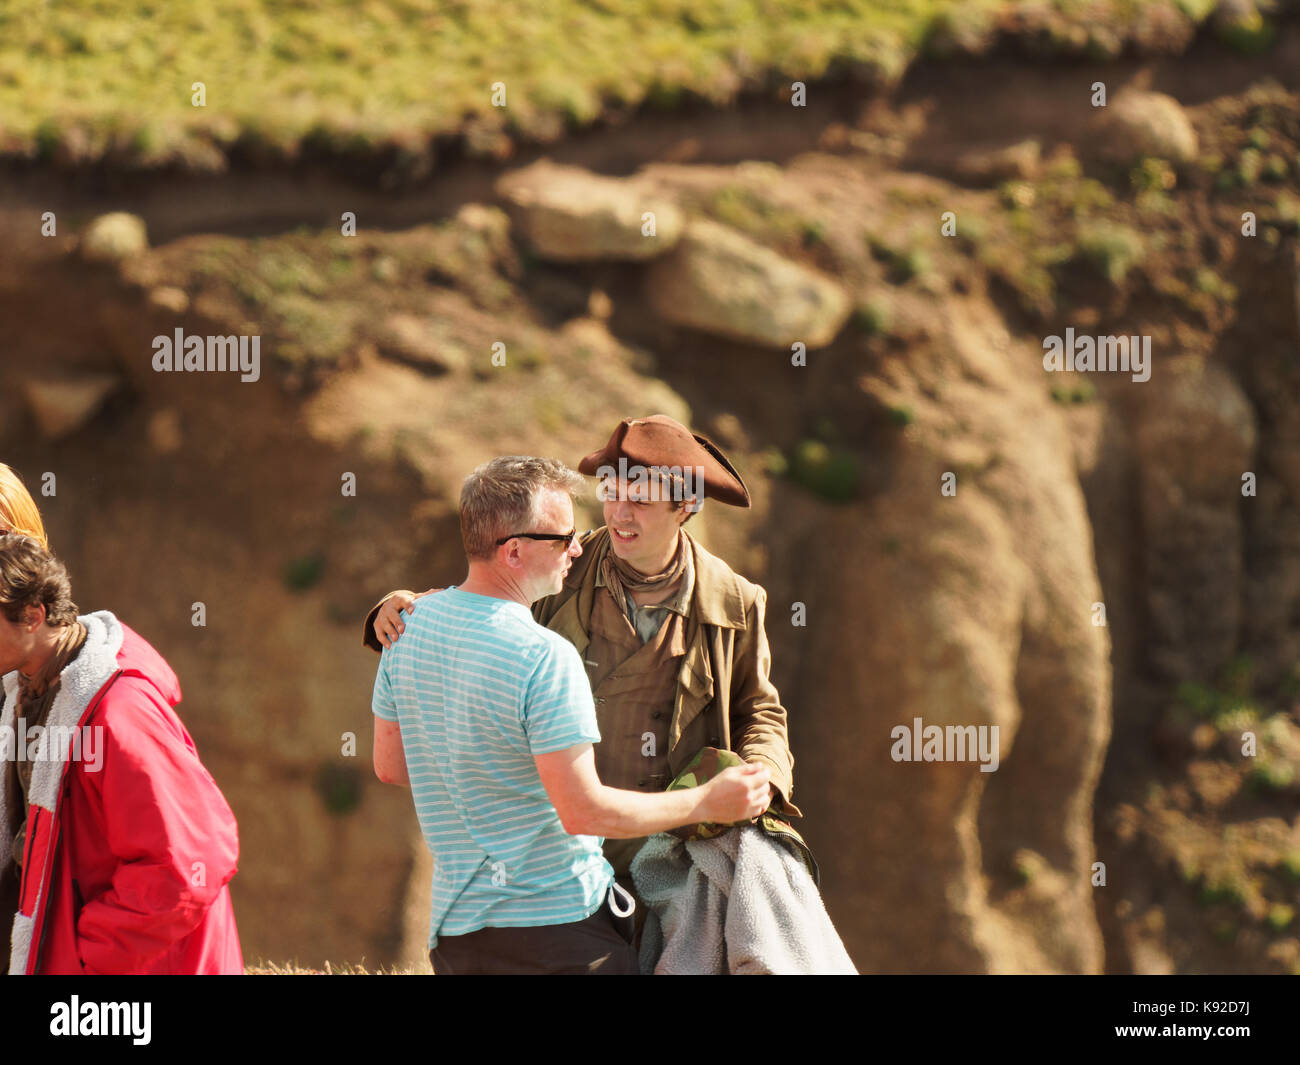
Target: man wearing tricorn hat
672,638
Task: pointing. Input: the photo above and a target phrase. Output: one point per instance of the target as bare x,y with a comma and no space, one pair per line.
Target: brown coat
724,695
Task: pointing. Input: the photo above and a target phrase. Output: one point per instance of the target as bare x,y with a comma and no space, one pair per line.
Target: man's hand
388,622
737,794
771,788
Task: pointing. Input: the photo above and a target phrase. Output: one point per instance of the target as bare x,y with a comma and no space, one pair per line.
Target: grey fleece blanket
741,903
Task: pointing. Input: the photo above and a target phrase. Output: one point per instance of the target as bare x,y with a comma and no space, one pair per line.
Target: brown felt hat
660,441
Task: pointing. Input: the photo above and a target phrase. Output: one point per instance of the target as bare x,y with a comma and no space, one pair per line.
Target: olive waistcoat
634,685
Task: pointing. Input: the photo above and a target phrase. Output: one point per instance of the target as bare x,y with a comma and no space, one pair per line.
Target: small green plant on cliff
1275,169
814,233
901,417
1271,774
339,787
902,264
1152,179
1223,889
1290,865
1213,285
1111,248
743,209
829,473
1199,698
1073,395
872,318
775,463
304,572
1026,866
1250,33
1231,694
1287,216
1250,164
1280,916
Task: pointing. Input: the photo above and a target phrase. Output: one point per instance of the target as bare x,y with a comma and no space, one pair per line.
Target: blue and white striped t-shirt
479,688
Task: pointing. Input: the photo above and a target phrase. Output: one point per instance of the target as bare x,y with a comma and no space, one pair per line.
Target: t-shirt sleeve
558,709
381,703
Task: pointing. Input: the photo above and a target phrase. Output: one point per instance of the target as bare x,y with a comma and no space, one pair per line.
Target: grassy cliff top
89,79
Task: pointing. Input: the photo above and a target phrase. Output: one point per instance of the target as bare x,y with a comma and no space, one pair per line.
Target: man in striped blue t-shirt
488,718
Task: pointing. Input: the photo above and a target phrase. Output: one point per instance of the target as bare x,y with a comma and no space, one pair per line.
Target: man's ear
34,615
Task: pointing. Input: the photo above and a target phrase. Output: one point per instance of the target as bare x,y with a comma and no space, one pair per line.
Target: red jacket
130,843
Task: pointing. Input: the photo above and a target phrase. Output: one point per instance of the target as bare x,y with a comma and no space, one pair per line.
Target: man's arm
390,757
589,808
758,720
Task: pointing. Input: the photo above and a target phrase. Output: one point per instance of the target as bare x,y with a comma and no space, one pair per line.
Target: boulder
63,406
418,342
1195,438
571,215
113,237
169,298
1018,162
1137,123
721,282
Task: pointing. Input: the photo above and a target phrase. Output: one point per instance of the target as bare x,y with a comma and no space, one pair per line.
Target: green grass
91,78
264,967
747,211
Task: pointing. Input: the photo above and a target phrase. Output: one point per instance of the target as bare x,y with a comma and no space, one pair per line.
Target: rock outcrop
982,616
719,281
114,236
1195,441
62,405
572,215
1137,123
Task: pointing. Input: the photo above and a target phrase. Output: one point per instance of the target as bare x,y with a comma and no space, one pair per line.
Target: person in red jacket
119,841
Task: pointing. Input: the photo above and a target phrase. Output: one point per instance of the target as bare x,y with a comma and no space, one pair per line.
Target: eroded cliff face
973,608
947,532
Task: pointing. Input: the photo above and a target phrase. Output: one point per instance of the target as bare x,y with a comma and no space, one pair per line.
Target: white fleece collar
79,682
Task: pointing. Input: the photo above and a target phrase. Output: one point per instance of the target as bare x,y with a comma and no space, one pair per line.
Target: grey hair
501,497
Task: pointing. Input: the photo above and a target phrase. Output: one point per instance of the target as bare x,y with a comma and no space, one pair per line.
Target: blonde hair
18,509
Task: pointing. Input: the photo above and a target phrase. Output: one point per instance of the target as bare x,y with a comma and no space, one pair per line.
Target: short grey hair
501,497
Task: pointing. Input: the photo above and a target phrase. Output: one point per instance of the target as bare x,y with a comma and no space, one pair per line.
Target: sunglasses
567,537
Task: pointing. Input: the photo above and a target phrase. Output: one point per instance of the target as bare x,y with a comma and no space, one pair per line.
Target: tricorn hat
660,441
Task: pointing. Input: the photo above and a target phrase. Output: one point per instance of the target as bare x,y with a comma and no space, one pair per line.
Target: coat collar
79,682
